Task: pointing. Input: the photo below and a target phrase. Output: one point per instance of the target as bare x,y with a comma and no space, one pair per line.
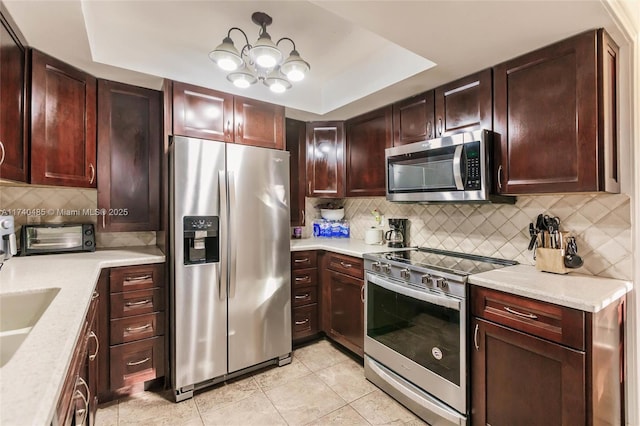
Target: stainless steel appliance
397,235
416,322
453,168
8,247
56,238
230,271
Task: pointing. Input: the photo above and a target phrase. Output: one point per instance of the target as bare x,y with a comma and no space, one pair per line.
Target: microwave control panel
473,167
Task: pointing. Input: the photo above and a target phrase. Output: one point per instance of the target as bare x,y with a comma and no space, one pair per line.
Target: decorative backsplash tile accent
601,224
53,204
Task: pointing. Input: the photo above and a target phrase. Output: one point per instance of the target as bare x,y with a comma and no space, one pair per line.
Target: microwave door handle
457,168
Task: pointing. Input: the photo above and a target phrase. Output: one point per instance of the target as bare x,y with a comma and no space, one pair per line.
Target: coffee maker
397,235
8,246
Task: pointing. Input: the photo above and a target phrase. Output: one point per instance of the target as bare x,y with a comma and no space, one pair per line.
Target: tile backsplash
601,224
64,205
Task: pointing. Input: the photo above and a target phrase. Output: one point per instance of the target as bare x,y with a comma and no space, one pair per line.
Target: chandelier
260,61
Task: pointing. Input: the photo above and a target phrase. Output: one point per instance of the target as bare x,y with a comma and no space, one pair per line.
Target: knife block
552,259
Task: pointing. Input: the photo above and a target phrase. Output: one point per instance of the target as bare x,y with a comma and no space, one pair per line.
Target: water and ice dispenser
201,239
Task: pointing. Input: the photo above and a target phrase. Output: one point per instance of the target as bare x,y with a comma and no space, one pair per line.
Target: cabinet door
14,151
63,123
296,140
347,311
325,159
546,112
367,137
413,119
464,105
258,123
521,379
202,113
129,141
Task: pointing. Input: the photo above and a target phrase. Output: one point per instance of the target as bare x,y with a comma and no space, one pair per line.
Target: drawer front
304,259
137,362
137,302
542,319
138,327
136,277
305,321
347,265
304,277
301,296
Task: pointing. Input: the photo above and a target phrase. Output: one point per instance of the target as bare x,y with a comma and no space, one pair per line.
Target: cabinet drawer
136,277
305,321
137,327
304,296
346,265
304,259
304,277
136,302
137,362
542,319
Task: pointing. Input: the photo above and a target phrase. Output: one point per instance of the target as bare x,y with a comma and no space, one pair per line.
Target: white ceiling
363,54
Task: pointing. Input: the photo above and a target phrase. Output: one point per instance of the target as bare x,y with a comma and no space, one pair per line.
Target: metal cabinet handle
137,329
475,338
93,173
95,354
83,411
104,224
1,156
303,260
305,278
362,294
309,193
304,296
345,265
429,129
95,295
520,314
140,303
302,322
440,126
500,177
240,129
228,128
140,278
142,361
302,216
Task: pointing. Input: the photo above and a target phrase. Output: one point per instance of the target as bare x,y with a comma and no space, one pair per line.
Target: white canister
373,236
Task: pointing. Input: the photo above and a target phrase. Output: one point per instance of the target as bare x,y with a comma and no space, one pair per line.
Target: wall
61,205
601,224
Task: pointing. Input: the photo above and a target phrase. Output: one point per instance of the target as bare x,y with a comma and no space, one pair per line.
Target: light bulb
266,61
277,87
242,83
295,75
227,64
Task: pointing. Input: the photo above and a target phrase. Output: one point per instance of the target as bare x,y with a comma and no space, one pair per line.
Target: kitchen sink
19,312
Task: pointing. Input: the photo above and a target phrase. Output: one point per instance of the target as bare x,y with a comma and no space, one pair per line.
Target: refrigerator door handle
232,234
222,279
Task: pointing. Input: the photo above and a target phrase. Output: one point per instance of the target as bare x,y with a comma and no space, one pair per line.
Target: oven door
419,335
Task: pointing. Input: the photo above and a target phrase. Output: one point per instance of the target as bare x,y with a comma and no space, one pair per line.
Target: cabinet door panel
347,311
325,164
202,113
413,119
295,144
259,123
63,124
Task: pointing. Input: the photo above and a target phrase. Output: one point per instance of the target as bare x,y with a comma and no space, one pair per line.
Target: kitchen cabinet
14,148
555,111
304,295
203,113
414,118
129,129
367,136
535,362
343,300
464,105
63,123
296,145
325,159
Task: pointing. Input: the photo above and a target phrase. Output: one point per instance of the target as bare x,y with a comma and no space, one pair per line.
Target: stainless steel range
416,323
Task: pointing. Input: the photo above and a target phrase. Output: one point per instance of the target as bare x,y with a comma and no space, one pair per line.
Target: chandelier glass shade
262,61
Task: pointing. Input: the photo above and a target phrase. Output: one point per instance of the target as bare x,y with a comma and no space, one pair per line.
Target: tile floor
322,386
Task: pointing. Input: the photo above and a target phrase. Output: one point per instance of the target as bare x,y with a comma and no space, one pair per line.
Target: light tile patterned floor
322,386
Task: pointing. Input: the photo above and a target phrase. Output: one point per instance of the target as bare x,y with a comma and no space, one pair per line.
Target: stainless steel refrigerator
230,286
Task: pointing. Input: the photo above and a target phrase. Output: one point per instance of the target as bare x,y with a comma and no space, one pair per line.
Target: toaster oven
56,238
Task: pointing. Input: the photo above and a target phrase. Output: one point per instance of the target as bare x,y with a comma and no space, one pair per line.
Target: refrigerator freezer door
259,255
199,308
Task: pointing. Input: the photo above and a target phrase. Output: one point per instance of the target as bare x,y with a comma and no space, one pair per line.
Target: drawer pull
142,361
346,265
95,295
140,303
304,296
137,329
305,278
304,260
302,322
520,314
95,354
140,278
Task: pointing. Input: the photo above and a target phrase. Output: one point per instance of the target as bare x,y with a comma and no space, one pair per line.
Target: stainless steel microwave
454,168
56,238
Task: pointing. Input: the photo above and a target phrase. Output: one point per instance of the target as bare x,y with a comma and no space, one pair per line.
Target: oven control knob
386,268
405,274
441,283
426,279
376,266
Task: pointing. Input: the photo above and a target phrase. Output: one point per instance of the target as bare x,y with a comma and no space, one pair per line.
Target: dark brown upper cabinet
63,123
555,111
129,142
367,137
296,137
258,123
14,149
464,105
325,159
414,118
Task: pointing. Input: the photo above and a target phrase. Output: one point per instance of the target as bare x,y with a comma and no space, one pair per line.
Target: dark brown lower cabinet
346,320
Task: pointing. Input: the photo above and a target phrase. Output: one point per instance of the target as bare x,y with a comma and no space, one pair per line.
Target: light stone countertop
31,382
583,292
348,246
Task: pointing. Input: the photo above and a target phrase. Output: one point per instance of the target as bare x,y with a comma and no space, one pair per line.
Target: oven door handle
425,296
